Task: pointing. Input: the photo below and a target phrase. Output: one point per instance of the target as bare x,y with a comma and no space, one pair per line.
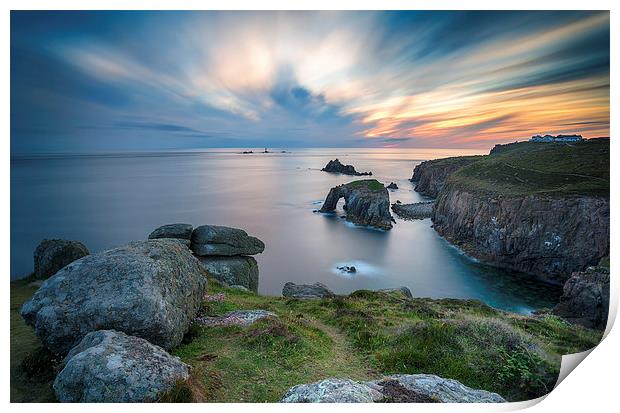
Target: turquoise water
107,200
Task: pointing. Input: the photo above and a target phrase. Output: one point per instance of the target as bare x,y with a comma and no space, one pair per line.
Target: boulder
418,210
367,202
240,270
53,254
235,318
438,388
218,240
400,388
109,366
336,166
151,289
402,290
332,390
585,298
177,231
316,290
392,185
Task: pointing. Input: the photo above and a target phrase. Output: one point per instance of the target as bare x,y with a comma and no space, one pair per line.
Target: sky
105,81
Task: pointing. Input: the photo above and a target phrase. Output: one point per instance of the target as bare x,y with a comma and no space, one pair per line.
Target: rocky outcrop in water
418,210
111,367
150,289
53,254
174,231
336,166
238,270
585,299
537,234
226,241
392,185
367,202
431,176
316,290
399,388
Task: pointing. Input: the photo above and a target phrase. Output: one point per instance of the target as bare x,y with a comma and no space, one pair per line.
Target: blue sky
125,81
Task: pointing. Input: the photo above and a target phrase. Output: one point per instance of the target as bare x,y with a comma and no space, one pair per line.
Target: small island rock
336,166
53,254
367,202
109,366
392,185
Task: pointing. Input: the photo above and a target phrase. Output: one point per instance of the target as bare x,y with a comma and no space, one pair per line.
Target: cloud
312,78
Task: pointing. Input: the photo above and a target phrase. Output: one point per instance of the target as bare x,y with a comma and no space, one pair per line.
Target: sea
106,200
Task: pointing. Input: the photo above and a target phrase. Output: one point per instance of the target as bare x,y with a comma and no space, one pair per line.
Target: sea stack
336,166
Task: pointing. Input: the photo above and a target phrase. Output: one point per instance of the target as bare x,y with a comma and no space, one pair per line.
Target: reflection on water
108,200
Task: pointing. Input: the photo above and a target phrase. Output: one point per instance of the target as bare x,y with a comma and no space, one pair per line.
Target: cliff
538,208
430,176
367,202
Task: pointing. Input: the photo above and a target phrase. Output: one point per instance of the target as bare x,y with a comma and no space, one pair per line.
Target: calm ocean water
108,200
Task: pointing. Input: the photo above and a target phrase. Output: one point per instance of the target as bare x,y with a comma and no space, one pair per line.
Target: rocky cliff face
430,176
537,234
585,300
367,202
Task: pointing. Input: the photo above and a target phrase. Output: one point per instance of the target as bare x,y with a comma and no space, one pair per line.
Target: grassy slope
540,168
362,336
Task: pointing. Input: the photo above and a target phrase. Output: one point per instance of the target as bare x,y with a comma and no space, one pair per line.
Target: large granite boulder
585,299
332,390
109,366
150,289
239,270
336,166
53,254
218,240
400,388
367,202
175,231
316,290
437,388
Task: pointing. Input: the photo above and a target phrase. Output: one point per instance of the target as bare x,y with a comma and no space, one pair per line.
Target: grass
362,336
371,184
526,168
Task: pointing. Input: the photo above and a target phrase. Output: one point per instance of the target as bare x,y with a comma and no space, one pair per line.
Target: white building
558,138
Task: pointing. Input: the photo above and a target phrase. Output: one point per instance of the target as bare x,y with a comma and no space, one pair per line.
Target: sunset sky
115,81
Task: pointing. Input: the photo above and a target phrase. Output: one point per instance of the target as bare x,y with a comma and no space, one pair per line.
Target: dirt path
346,361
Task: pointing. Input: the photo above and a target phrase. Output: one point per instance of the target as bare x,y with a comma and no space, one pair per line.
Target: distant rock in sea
418,210
336,167
367,202
392,185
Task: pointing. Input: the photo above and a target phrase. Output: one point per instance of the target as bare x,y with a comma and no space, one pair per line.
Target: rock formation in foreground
53,254
111,367
431,176
367,202
150,289
316,290
336,167
238,270
418,210
585,300
224,252
218,240
175,231
399,388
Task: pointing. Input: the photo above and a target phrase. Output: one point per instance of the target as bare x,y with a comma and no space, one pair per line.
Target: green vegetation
525,168
362,336
371,184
